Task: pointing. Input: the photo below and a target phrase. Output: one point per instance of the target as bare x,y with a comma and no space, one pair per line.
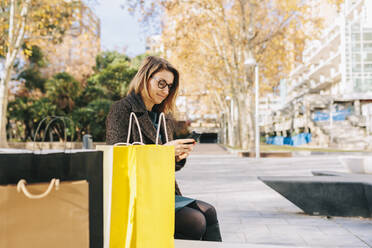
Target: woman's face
159,86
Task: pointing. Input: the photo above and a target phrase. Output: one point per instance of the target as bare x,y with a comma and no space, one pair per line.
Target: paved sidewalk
251,213
209,149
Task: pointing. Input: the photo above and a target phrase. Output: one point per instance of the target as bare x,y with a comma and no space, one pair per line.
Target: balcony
353,13
324,66
299,122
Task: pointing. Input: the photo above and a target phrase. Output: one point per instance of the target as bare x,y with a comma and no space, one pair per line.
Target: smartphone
195,136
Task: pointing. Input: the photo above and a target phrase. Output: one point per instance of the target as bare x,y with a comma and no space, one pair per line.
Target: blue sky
119,29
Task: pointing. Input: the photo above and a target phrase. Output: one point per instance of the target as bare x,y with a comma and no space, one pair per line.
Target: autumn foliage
210,40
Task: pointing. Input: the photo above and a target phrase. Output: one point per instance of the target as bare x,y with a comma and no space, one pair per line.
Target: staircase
344,135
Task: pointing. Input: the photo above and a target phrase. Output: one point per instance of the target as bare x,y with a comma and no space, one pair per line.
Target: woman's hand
181,148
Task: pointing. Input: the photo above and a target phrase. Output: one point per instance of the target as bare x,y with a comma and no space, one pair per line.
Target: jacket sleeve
117,123
172,126
180,164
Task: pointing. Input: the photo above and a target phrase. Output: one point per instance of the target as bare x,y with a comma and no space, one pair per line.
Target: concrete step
345,135
335,123
351,145
352,139
335,129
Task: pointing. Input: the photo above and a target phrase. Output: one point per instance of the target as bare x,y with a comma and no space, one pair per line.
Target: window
367,57
357,67
368,67
355,36
356,56
360,86
367,36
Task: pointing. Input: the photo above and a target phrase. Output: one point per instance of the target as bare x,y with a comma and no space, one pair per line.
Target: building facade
81,43
154,44
329,95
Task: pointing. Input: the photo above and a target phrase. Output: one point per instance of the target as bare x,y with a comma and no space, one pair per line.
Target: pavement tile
253,214
229,220
248,229
277,214
285,229
275,239
233,237
359,229
332,240
262,220
319,221
240,213
367,239
329,230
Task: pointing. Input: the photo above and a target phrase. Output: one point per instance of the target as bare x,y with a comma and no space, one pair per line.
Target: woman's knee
190,223
209,212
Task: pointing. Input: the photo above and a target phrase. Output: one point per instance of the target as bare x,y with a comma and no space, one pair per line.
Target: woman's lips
162,96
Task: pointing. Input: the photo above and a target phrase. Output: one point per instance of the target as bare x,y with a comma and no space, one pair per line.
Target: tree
92,117
62,95
114,72
27,21
211,39
62,89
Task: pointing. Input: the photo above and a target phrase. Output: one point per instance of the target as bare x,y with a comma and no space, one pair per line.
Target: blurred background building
329,94
154,44
77,52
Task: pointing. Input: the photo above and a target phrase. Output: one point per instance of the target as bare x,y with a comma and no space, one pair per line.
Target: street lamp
248,63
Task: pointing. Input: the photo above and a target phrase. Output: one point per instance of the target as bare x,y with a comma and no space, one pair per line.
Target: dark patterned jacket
117,123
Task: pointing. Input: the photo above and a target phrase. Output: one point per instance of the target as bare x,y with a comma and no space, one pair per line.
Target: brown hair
149,67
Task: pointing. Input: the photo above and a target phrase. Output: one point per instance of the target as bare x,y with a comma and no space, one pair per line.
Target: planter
357,164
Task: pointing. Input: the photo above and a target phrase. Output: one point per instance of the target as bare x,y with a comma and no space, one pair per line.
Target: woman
153,90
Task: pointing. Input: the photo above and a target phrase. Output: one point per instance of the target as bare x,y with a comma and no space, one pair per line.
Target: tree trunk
237,123
244,124
4,104
251,123
230,129
14,45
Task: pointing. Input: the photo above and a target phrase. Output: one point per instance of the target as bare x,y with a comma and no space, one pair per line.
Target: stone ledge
347,196
49,145
247,153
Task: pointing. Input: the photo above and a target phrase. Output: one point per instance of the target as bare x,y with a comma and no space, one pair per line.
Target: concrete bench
205,244
333,194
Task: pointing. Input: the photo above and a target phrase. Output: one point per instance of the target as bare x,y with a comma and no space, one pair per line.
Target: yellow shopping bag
140,196
155,196
142,205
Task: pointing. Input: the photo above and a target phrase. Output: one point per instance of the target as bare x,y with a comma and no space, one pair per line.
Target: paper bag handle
21,186
161,117
133,115
53,119
127,144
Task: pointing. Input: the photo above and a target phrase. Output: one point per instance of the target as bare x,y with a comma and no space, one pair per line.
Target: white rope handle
133,115
121,144
127,144
161,117
21,186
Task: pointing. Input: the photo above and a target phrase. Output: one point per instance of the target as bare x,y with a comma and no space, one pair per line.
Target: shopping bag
139,194
45,215
69,165
107,186
154,216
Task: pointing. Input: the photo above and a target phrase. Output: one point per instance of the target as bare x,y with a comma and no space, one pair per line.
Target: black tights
197,221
